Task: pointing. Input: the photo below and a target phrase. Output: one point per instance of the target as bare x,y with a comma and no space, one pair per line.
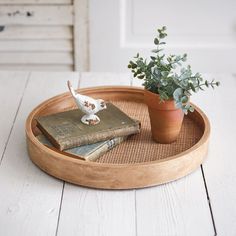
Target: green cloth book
90,152
65,130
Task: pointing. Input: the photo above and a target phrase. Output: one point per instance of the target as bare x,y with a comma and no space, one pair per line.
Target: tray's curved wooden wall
110,175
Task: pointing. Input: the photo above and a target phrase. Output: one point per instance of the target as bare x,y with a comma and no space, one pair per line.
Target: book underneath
90,152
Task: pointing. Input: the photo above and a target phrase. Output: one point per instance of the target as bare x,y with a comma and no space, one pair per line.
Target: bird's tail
71,88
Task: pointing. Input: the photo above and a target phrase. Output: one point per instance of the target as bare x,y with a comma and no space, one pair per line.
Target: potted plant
168,86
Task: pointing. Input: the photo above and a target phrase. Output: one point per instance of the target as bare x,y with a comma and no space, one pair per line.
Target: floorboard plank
12,85
30,199
97,212
177,208
219,168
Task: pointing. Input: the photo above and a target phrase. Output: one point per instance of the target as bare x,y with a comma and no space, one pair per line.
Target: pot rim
150,98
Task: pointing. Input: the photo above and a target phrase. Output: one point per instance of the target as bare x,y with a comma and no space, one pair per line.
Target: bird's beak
103,105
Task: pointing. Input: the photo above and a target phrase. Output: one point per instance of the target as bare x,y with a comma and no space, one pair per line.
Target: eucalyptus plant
167,76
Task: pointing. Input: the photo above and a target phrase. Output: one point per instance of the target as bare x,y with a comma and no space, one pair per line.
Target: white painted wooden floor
34,203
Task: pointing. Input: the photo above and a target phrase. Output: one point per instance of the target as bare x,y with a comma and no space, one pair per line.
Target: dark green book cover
65,130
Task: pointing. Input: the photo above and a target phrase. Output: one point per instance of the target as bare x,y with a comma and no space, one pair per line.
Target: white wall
205,29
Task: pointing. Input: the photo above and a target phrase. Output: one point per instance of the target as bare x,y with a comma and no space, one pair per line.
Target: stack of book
64,132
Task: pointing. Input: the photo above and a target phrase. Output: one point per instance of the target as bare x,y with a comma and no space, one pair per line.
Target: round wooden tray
136,163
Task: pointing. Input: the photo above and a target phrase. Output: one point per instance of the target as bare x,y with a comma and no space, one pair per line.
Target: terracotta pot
166,120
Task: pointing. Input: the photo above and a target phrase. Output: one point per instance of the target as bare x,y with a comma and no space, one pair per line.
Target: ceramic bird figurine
88,105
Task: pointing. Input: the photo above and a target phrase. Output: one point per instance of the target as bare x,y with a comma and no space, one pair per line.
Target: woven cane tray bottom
140,147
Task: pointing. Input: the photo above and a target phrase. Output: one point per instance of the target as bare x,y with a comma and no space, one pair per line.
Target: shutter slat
36,15
36,58
36,2
36,32
36,45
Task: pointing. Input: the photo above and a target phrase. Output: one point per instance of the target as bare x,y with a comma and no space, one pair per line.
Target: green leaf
153,58
201,88
164,82
184,99
177,94
161,35
141,76
156,41
191,109
192,87
155,50
187,106
164,73
139,70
